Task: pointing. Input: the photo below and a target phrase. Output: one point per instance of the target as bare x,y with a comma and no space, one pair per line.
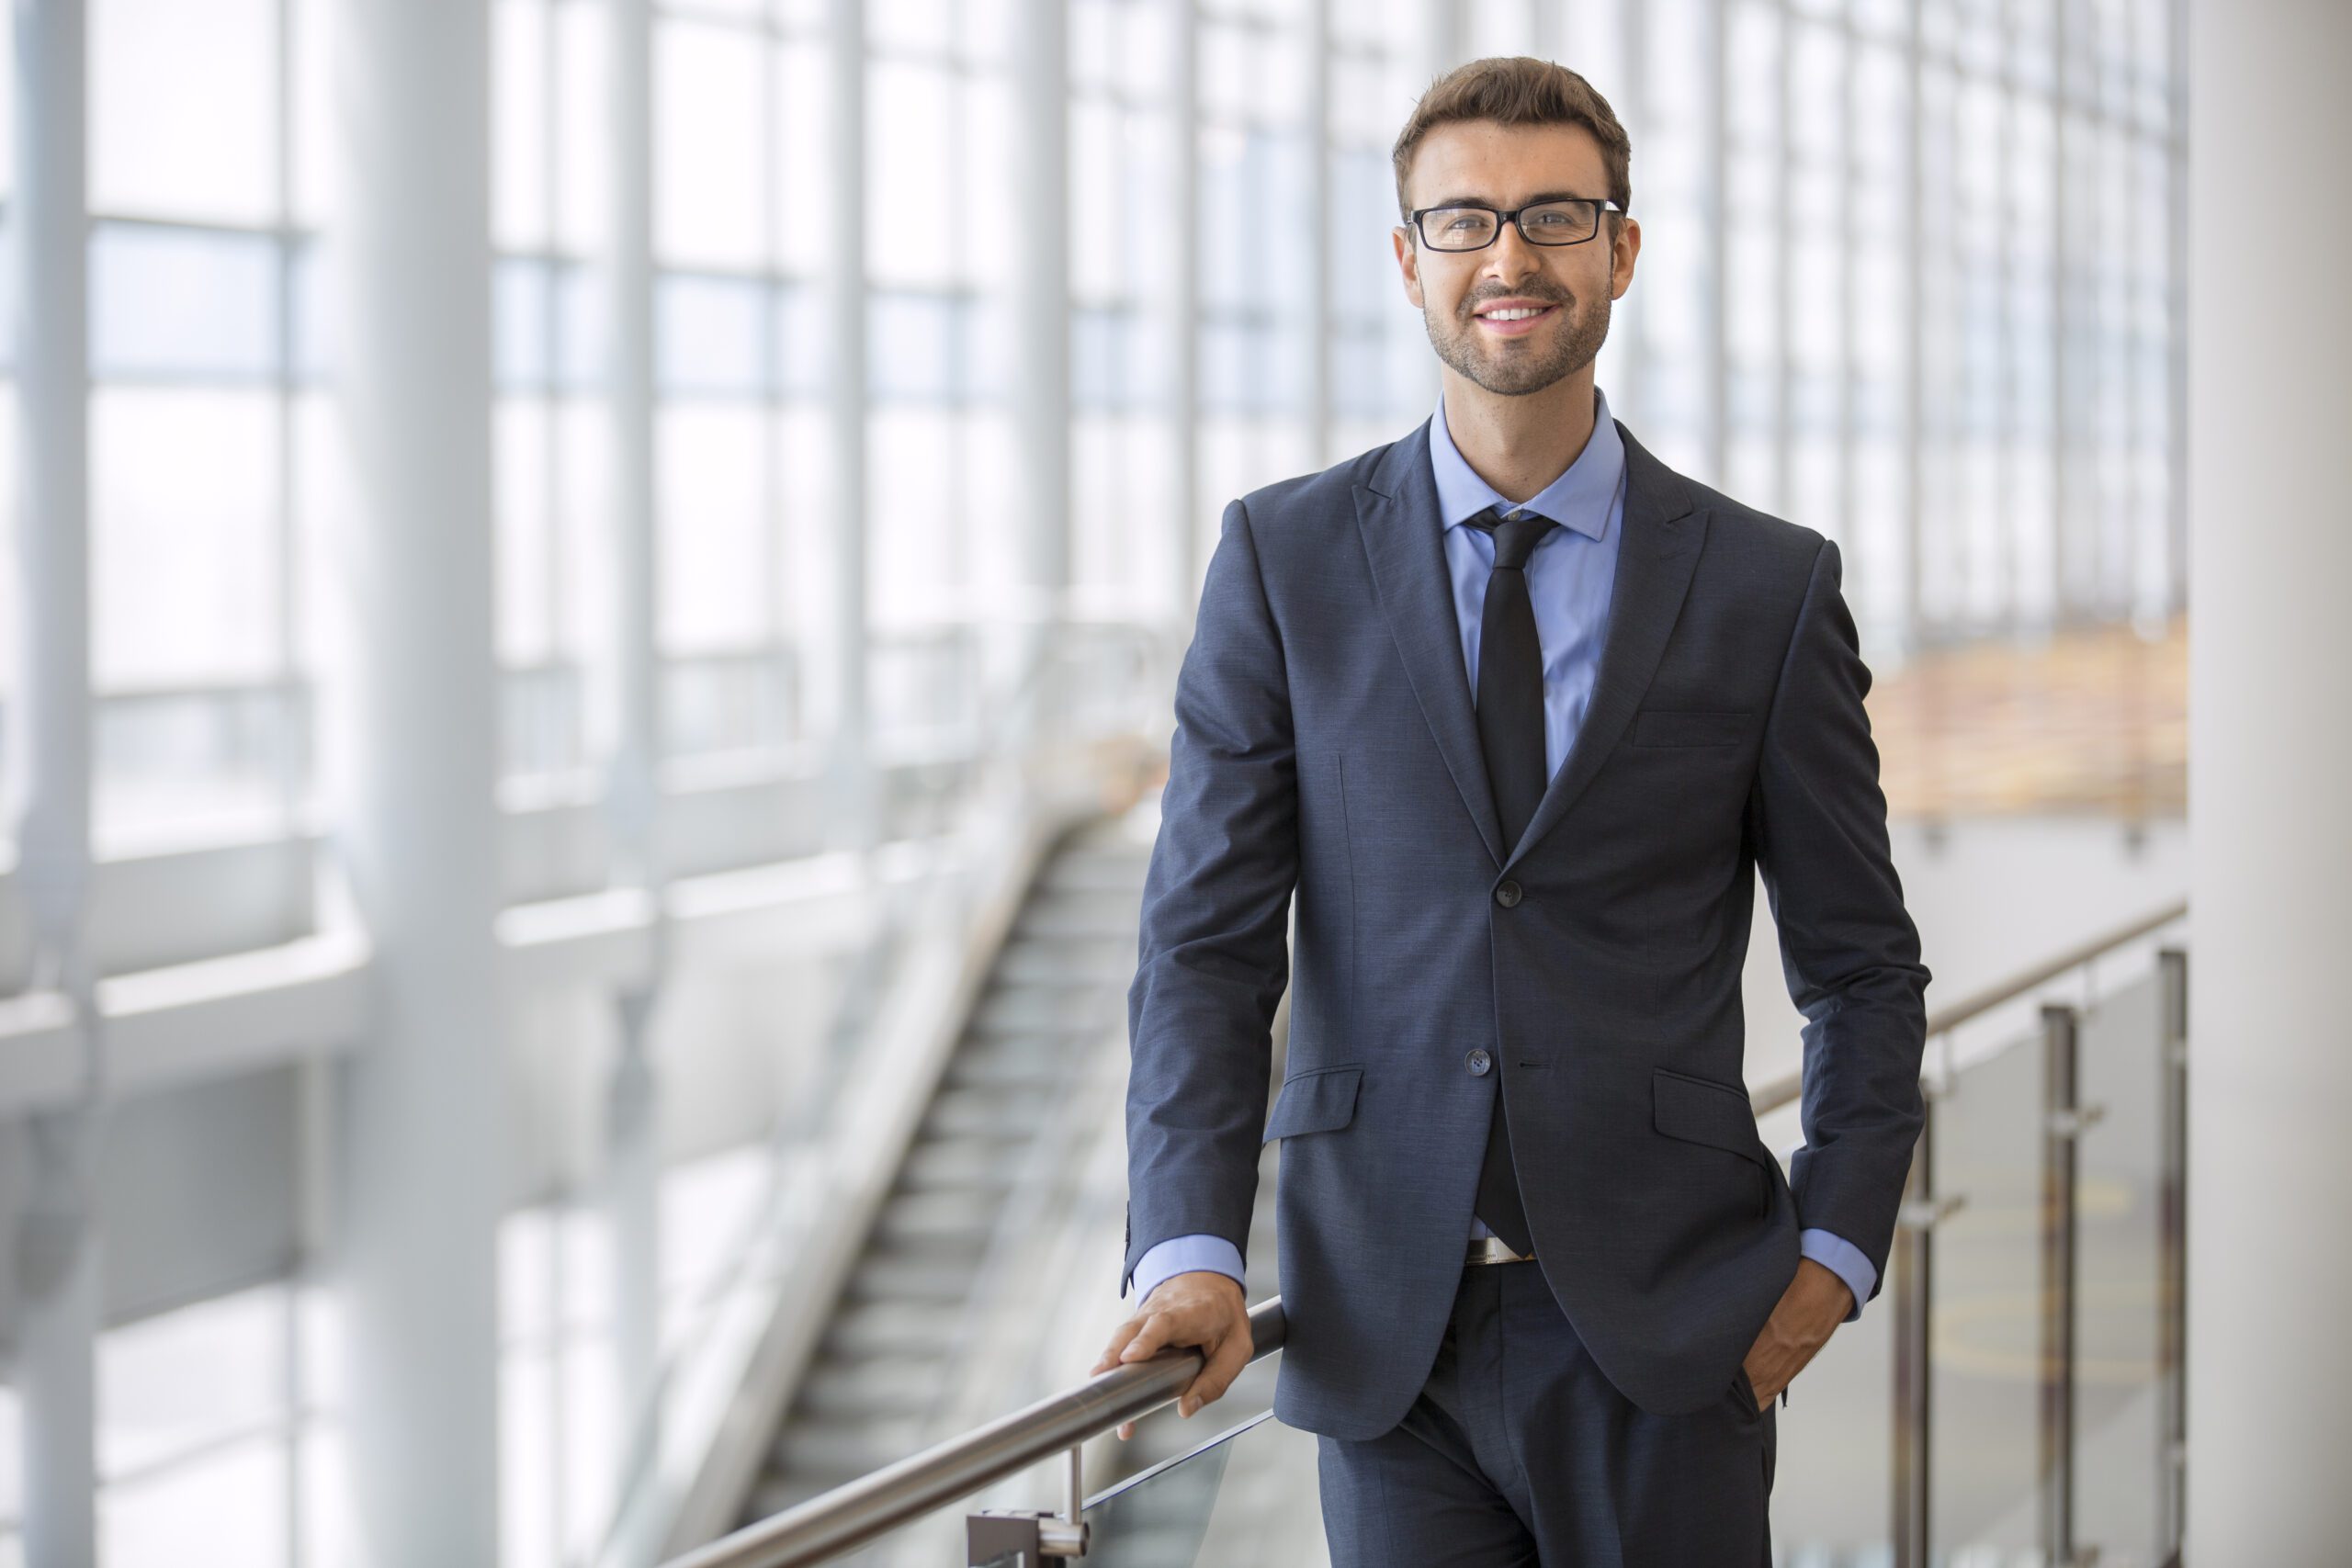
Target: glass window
183,109
183,302
709,87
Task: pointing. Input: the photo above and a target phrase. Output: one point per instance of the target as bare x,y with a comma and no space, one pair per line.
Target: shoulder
1752,532
1754,563
1287,505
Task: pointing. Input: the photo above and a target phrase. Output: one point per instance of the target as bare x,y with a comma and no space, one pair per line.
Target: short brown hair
1517,90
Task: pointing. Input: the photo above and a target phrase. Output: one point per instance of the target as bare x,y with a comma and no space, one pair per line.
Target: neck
1519,444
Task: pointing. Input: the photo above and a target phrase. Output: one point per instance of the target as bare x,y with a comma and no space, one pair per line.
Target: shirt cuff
1843,1258
1182,1254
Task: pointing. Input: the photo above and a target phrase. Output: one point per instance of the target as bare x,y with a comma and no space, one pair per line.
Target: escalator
882,1376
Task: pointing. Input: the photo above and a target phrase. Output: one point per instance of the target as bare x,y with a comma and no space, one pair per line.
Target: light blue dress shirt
1568,580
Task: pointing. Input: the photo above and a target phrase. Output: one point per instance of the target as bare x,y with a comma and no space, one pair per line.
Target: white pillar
54,1254
855,820
2271,684
1041,292
630,679
409,722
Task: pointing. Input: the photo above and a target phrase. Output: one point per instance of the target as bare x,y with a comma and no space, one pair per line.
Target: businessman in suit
1511,708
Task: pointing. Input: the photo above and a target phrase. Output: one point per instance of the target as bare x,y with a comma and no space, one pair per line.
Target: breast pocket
1321,1100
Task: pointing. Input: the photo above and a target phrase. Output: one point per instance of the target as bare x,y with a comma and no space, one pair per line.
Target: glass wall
205,193
1907,277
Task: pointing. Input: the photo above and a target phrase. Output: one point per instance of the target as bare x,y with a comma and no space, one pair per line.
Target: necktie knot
1516,536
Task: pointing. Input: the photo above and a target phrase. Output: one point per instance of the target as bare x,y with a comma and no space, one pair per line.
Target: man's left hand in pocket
1808,1311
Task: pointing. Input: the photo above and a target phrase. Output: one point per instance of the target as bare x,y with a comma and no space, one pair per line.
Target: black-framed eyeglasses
1567,222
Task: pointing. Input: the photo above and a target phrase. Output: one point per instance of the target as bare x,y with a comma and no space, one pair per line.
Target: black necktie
1510,734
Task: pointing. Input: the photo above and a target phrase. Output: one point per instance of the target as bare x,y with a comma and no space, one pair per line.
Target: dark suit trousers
1517,1451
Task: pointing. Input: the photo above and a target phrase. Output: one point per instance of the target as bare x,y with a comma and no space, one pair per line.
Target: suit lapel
1397,513
1655,560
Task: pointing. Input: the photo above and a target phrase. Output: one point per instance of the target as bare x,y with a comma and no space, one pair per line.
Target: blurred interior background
594,587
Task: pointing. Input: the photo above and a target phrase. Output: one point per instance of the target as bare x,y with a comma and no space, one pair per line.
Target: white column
1041,294
852,811
410,725
629,1184
54,1254
2270,682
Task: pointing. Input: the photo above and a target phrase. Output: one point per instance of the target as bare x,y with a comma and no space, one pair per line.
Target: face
1570,286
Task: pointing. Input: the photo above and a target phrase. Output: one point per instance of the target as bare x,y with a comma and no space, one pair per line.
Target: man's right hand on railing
1200,1308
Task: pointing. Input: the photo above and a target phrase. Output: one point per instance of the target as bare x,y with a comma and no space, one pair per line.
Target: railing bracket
1011,1538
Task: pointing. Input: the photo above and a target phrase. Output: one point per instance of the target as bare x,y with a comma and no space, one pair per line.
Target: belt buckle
1495,1249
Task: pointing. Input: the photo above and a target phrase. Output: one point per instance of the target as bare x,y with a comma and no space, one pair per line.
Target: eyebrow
1530,201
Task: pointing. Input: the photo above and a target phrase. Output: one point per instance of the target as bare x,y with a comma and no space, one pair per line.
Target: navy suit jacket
1327,749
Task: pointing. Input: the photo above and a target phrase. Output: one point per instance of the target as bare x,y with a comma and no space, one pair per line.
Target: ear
1621,252
1408,261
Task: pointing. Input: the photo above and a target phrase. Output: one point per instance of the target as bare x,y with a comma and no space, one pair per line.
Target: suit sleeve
1849,950
1213,955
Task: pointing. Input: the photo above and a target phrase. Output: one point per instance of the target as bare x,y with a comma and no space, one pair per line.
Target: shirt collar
1581,499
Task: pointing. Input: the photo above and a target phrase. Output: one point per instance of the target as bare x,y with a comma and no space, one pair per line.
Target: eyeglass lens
1473,228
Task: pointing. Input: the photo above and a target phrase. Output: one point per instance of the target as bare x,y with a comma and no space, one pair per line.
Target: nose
1511,257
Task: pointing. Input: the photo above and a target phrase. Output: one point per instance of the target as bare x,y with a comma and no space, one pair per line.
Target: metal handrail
852,1514
1776,1092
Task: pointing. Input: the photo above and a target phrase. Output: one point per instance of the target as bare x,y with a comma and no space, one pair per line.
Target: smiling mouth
1516,319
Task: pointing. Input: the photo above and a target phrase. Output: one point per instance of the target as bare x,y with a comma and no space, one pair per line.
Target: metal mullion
547,714
1849,182
1186,317
2136,428
1635,38
1316,129
1717,239
771,397
1784,280
2177,315
2009,556
2062,453
1914,340
1954,405
290,772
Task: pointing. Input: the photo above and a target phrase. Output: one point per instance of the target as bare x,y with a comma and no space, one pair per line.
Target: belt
1493,1249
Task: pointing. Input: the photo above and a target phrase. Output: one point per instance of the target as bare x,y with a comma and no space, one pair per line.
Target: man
1513,708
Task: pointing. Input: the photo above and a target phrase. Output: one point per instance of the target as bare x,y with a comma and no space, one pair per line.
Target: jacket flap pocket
1701,1111
1314,1101
1689,727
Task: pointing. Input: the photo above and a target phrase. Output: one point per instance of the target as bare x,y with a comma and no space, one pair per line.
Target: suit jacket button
1479,1062
1508,894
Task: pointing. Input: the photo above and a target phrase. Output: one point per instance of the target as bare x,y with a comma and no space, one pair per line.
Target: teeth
1515,314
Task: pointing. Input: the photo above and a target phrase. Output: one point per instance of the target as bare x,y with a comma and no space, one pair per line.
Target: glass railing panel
1245,1498
1830,1477
2117,1421
1985,1323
